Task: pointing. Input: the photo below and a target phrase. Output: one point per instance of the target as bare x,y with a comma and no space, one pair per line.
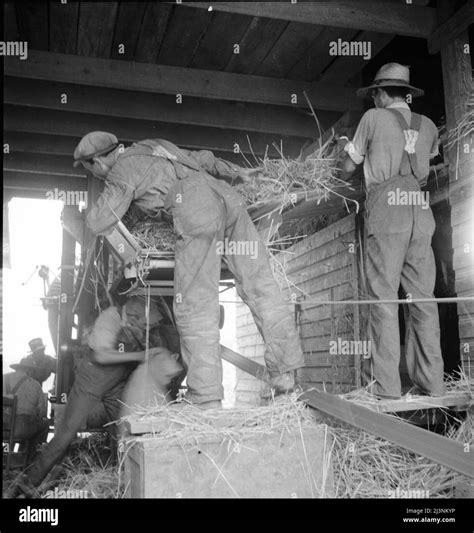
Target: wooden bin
273,465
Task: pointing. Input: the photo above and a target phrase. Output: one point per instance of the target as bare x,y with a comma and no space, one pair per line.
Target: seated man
100,379
45,364
30,421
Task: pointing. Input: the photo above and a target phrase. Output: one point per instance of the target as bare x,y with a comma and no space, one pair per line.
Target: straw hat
27,363
391,75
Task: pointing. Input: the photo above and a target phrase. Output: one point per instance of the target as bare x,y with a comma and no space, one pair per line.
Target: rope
364,302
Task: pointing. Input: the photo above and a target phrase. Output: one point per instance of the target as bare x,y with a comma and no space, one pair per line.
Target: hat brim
16,366
77,162
365,92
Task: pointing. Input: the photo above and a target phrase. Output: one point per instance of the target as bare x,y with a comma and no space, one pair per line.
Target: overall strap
168,150
18,385
411,136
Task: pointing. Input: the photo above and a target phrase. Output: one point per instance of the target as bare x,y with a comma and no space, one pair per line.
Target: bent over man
156,175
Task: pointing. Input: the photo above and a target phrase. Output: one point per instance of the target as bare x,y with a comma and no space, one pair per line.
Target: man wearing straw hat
395,146
31,421
156,175
117,344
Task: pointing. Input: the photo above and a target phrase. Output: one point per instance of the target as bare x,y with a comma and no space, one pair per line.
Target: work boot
280,384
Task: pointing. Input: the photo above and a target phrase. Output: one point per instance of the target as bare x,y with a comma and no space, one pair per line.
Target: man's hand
159,351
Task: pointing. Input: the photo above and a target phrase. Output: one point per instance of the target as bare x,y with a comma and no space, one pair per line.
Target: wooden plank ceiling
120,65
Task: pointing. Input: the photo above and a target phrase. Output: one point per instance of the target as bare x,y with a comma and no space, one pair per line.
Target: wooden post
458,86
65,366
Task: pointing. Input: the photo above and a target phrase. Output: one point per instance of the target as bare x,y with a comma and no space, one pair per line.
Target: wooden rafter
142,77
385,17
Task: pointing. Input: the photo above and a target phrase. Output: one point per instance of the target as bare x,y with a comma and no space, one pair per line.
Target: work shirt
30,397
379,142
143,174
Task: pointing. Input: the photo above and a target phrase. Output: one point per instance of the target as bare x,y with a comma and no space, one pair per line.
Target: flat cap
93,144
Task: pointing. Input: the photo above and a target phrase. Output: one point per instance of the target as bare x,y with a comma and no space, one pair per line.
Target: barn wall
324,266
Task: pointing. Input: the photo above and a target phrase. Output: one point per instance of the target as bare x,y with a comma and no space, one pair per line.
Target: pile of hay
281,179
87,472
155,237
187,425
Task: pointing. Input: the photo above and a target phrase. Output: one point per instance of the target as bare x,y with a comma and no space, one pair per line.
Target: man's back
30,398
379,137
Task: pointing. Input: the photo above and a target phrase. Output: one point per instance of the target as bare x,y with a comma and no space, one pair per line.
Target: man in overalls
395,146
156,175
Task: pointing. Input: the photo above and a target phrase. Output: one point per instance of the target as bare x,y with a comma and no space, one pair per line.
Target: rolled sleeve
357,148
111,206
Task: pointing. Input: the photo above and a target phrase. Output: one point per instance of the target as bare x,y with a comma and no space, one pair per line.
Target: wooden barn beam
41,183
43,164
384,17
38,143
452,28
17,118
247,117
143,77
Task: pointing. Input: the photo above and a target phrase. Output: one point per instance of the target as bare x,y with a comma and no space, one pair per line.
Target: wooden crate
274,465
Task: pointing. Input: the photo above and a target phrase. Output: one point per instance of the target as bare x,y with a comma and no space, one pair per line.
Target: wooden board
19,118
126,75
152,31
127,29
292,44
63,27
415,403
96,28
33,24
184,32
255,44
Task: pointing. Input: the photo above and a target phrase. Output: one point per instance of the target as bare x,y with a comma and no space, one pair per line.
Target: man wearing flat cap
156,175
31,421
395,146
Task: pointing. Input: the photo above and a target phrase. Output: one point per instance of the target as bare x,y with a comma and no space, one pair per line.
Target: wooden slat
10,25
96,28
410,20
63,27
127,29
415,403
33,24
217,46
316,59
18,118
163,108
127,75
289,48
450,30
40,144
42,163
245,364
152,31
255,44
185,30
321,359
42,182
